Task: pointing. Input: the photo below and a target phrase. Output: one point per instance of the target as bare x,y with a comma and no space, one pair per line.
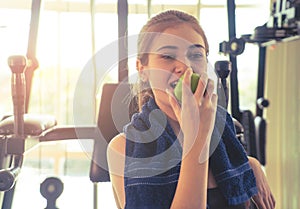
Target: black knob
262,103
223,68
7,180
51,189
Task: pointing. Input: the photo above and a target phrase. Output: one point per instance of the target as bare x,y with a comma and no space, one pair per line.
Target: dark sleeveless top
153,160
215,200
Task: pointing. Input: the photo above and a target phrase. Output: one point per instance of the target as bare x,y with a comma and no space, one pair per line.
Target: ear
139,65
142,70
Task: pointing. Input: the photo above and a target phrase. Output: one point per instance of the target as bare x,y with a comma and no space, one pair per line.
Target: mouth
173,84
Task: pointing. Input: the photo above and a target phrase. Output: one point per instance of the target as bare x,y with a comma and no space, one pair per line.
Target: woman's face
172,52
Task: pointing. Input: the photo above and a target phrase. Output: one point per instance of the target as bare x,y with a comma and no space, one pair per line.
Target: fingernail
168,91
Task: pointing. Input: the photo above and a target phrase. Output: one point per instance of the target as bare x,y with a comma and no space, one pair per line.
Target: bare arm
191,191
116,162
196,117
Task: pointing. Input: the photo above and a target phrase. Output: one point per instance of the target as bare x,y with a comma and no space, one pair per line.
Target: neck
175,125
167,109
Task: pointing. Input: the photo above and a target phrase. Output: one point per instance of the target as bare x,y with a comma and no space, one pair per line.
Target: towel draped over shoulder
153,160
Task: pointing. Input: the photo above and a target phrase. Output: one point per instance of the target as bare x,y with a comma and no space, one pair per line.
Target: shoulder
117,144
116,161
116,155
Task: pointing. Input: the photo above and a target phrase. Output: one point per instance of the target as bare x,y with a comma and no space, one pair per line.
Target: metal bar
149,10
8,198
233,76
95,195
31,48
123,42
92,7
261,78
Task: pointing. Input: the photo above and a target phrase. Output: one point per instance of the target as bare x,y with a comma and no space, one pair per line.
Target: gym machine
22,131
284,23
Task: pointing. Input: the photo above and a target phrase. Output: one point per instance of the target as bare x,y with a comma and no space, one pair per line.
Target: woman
180,154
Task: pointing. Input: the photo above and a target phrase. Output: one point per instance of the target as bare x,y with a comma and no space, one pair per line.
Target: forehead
182,37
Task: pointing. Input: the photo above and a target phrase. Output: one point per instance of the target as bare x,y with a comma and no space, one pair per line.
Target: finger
174,104
201,86
210,87
214,99
254,203
273,202
187,76
267,203
259,202
186,87
209,93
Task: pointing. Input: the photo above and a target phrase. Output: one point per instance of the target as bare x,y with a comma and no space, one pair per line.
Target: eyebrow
175,47
196,46
167,47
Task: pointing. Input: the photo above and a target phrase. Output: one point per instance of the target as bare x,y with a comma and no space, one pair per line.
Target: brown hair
158,24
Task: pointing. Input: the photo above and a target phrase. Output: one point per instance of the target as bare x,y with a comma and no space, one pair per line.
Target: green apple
178,88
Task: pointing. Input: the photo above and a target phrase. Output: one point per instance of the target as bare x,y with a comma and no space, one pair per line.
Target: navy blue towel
153,160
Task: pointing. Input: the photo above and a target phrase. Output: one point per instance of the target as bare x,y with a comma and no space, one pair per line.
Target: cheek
159,79
199,67
158,82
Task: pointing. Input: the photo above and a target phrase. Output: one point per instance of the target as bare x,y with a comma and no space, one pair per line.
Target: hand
264,199
196,114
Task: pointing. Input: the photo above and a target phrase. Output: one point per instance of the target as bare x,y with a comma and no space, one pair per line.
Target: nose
181,65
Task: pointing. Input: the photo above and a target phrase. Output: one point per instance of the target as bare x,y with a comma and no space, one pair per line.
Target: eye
195,56
168,56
